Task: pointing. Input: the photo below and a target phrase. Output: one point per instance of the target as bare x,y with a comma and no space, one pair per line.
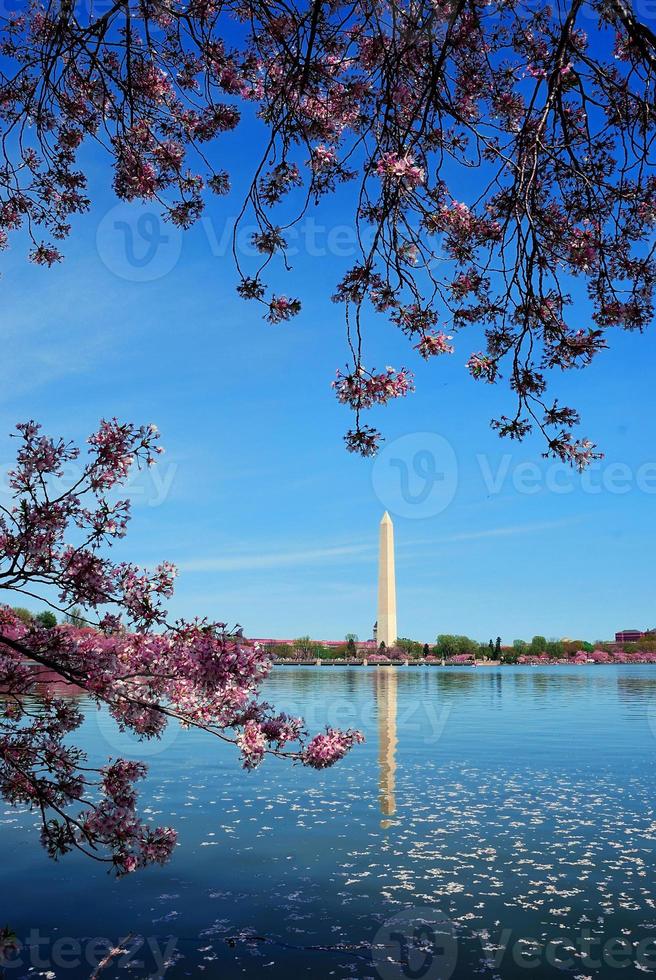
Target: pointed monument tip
386,519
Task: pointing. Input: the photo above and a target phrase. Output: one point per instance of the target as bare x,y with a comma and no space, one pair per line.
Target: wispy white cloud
511,530
50,335
307,557
278,559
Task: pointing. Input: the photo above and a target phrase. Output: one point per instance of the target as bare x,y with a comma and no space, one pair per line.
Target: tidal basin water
496,823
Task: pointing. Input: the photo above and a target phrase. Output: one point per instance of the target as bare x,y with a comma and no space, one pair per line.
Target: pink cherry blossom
252,744
432,344
402,169
325,749
362,388
129,659
491,159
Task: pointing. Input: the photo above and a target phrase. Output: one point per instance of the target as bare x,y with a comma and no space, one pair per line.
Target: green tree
23,614
449,645
573,646
411,648
521,646
537,645
75,617
426,650
446,645
282,650
307,647
351,649
351,636
46,619
555,649
334,653
490,650
497,647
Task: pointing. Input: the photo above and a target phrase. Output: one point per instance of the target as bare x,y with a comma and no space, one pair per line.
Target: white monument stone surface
386,584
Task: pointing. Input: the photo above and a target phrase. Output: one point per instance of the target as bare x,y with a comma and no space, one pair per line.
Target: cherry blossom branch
144,670
552,135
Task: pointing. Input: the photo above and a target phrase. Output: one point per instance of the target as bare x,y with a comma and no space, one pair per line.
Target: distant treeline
47,618
446,646
449,645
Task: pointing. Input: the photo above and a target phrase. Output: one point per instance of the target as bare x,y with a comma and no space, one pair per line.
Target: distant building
629,636
330,644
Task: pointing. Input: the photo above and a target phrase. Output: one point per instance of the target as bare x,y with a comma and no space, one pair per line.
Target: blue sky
272,523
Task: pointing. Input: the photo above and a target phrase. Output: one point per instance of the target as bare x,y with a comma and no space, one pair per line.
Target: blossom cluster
364,440
362,389
129,659
464,229
327,748
593,657
401,169
281,308
495,157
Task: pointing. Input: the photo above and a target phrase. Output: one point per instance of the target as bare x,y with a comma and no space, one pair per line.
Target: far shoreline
451,666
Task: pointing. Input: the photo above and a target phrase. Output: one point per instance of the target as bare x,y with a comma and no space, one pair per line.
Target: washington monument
386,585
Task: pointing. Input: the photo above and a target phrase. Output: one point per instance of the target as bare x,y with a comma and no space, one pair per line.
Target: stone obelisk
386,585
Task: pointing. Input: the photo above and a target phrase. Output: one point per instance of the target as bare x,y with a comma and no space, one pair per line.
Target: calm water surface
511,812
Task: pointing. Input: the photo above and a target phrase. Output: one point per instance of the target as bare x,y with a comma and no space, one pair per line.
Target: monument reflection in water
385,680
